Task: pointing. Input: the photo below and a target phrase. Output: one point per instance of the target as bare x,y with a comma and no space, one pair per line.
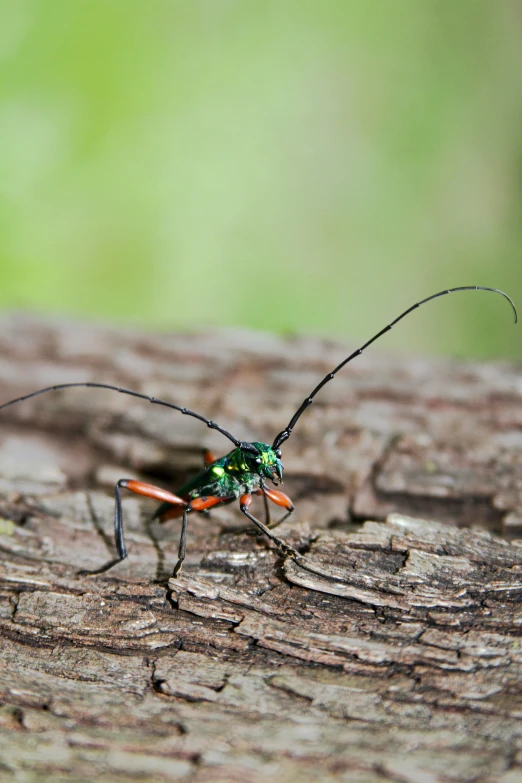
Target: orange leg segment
201,504
150,491
173,512
279,498
245,500
198,504
208,457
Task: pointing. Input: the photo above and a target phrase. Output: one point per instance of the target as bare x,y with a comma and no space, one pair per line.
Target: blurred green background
283,165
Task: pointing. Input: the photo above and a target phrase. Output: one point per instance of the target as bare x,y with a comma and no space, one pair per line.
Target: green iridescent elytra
240,474
233,475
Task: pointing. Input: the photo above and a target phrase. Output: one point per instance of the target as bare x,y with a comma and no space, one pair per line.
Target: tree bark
396,657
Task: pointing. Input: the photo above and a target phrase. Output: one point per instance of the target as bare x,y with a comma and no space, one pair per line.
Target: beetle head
265,461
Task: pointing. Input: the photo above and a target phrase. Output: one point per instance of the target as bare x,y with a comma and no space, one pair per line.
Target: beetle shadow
162,574
107,538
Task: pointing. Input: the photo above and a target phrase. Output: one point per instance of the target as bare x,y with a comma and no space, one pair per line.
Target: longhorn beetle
241,473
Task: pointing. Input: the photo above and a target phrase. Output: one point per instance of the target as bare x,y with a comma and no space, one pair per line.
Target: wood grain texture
402,662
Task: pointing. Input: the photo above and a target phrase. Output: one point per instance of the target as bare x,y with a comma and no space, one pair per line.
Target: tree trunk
396,656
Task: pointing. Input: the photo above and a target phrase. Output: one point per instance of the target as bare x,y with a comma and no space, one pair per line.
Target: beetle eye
278,452
258,461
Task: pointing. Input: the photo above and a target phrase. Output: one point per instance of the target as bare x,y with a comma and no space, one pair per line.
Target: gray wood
401,662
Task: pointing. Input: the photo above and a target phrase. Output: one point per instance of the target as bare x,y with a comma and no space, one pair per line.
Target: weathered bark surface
402,662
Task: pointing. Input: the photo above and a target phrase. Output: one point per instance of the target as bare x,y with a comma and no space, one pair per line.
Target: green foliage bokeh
303,166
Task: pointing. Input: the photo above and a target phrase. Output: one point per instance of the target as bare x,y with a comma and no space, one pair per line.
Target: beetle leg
179,505
148,491
208,457
182,545
286,549
262,491
280,499
201,504
118,523
183,508
198,504
140,488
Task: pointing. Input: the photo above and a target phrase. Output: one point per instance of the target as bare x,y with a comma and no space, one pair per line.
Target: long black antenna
154,400
285,434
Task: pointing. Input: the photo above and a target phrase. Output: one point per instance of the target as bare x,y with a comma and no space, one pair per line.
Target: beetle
240,474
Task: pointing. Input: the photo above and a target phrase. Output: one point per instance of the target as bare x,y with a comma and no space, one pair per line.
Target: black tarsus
118,520
154,400
283,547
285,434
182,549
118,535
